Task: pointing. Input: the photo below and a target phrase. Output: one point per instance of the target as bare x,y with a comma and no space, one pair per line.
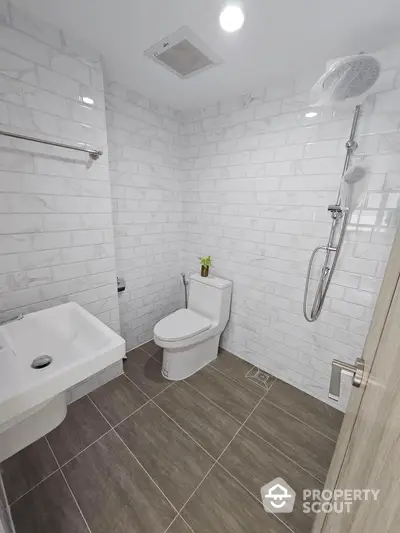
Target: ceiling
279,37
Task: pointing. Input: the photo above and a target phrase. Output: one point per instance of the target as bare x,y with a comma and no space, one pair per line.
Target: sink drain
41,362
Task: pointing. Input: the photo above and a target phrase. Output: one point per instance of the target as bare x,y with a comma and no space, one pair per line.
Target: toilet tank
210,297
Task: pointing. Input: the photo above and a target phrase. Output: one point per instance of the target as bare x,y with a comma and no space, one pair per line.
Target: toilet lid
180,325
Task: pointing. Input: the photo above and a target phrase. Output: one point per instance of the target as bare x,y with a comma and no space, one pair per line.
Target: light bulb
231,17
87,100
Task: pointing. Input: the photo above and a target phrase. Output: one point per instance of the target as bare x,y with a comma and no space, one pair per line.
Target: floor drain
41,362
259,376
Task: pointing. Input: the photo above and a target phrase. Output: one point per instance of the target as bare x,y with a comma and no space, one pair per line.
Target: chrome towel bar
94,154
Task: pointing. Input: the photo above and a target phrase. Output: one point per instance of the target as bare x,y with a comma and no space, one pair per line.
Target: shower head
354,174
348,77
353,187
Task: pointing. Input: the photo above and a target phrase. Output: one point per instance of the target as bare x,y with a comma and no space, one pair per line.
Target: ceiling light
231,17
87,100
311,114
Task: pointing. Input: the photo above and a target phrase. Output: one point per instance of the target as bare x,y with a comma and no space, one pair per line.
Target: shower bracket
351,145
336,211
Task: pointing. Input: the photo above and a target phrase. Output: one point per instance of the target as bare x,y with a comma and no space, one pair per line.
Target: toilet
190,337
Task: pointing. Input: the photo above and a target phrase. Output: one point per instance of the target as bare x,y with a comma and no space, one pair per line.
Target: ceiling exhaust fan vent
183,53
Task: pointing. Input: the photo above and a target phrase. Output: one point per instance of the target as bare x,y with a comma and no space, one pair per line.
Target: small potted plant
205,263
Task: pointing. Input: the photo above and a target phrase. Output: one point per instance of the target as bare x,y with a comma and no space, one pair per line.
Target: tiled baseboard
92,383
6,523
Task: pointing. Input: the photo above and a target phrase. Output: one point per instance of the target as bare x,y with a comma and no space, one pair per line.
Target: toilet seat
180,325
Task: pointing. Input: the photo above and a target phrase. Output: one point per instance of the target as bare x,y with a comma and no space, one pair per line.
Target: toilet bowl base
180,363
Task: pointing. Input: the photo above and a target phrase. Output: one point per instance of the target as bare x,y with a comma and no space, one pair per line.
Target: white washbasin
80,346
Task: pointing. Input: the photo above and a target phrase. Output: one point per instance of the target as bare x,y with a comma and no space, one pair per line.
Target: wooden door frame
375,332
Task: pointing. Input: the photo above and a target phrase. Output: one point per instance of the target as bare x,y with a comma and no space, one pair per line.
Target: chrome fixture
347,77
121,284
94,154
338,214
13,319
185,285
356,371
41,362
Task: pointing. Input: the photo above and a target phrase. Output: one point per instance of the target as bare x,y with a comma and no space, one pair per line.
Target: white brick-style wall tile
280,170
56,231
147,211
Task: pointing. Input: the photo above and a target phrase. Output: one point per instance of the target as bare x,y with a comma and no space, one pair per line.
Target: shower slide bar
338,213
94,154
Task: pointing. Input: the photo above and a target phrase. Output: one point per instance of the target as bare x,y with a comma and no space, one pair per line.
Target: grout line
130,452
238,382
143,468
134,412
299,419
219,458
220,455
214,403
188,525
104,434
90,399
84,449
184,430
274,380
133,455
69,488
150,397
287,457
175,519
34,487
137,386
218,463
146,352
253,496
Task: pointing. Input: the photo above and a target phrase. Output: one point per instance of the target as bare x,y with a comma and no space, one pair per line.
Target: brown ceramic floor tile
27,468
254,463
208,425
82,426
221,505
49,508
179,526
145,371
152,349
114,492
118,399
309,410
302,444
175,462
228,394
236,369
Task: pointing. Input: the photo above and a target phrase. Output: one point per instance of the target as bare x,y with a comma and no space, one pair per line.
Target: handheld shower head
354,174
352,189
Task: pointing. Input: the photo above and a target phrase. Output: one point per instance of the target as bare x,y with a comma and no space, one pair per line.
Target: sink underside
79,346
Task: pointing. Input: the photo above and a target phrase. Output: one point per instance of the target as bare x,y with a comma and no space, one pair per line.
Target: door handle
356,371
